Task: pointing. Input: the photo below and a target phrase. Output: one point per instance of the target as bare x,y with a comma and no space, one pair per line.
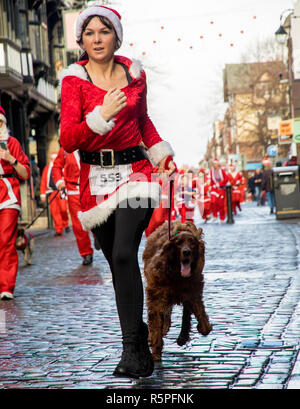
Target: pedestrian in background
104,114
251,186
14,165
267,185
58,205
66,172
36,178
257,183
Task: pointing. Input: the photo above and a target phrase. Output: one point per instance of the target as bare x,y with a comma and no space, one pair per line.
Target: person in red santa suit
218,181
235,179
204,198
186,197
58,205
104,115
14,165
66,172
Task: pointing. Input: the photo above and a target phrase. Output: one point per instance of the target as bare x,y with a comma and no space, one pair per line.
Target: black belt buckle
112,157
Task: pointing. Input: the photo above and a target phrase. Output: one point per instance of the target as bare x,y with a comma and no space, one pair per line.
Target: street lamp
281,35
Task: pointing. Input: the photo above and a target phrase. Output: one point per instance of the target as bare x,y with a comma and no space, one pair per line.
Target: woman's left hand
171,167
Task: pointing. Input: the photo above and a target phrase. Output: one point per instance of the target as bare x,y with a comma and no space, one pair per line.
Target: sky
184,46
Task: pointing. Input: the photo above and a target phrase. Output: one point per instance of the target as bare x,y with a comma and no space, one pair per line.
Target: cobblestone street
62,331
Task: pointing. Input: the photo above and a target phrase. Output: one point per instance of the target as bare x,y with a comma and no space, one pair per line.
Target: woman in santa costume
104,115
14,165
235,179
218,181
58,203
66,172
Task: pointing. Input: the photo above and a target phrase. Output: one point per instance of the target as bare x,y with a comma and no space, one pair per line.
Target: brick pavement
62,331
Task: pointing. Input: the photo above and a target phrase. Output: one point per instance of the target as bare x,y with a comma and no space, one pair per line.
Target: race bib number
106,180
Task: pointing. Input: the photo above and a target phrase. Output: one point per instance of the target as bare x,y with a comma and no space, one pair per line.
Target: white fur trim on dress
77,70
158,151
133,191
97,124
136,68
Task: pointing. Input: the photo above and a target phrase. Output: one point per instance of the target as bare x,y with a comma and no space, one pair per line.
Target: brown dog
173,271
25,242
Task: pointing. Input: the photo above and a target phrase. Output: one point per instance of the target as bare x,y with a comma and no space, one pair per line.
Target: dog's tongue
185,270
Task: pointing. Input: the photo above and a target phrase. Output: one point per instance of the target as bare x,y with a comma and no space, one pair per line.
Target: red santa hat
266,162
2,115
112,15
216,160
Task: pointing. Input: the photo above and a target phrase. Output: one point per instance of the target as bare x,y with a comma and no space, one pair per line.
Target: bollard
49,217
229,205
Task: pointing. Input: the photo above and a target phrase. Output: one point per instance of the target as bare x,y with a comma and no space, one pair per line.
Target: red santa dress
218,181
83,128
10,206
235,179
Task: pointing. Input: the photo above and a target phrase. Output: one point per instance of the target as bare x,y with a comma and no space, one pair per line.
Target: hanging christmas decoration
179,39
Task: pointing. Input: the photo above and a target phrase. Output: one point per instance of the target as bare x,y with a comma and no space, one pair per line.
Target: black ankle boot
129,365
146,359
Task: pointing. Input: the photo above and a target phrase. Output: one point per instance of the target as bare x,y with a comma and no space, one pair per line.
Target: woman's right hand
113,102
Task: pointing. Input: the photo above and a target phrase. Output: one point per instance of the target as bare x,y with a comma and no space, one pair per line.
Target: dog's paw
204,327
182,340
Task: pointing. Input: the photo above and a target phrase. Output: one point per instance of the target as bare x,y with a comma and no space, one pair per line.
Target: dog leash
171,184
39,215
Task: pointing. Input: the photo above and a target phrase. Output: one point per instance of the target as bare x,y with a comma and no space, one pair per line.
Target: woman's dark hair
105,21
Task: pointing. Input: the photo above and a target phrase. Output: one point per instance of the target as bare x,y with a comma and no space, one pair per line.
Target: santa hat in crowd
266,162
216,160
112,15
2,115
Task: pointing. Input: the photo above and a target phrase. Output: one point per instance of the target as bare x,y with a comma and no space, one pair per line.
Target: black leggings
119,238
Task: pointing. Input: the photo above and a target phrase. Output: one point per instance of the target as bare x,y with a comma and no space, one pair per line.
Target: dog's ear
200,233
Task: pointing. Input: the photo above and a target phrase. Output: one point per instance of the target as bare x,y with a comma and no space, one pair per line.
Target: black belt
8,175
108,158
